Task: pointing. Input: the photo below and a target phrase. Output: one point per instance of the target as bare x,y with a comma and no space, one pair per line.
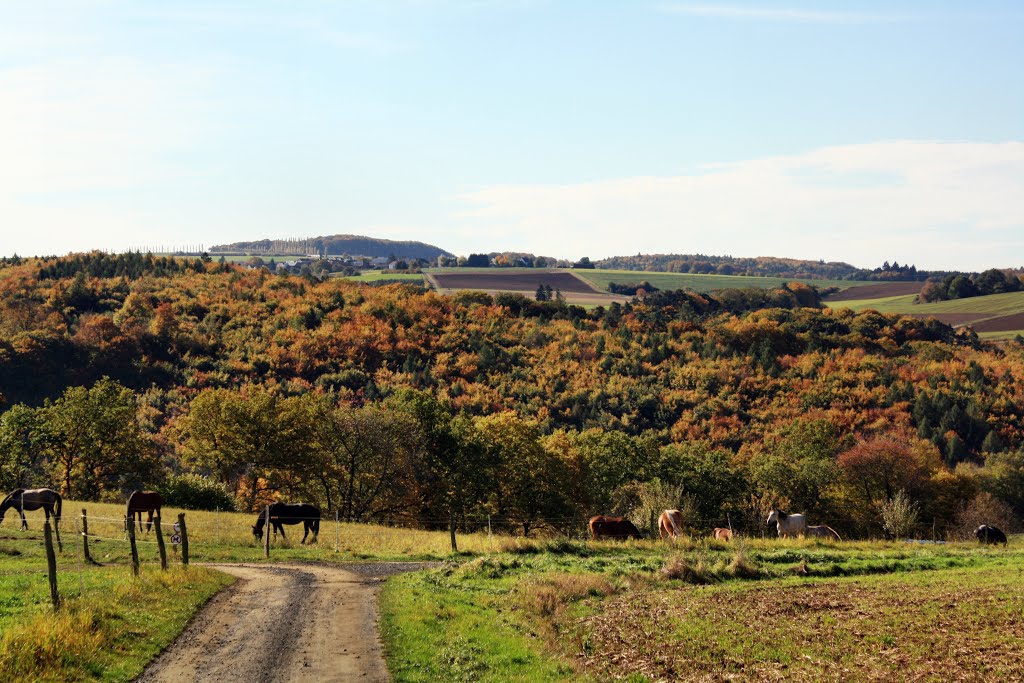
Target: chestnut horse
143,501
670,524
722,534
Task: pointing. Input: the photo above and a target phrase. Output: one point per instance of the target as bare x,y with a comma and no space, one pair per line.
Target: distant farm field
384,275
994,316
701,283
590,287
523,281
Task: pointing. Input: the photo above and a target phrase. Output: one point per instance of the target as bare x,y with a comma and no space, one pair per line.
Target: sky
845,131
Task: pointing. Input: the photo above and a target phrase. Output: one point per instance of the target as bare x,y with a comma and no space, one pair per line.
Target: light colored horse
670,524
722,534
789,526
823,531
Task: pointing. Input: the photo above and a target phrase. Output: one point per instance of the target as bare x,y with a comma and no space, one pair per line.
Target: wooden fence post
184,538
85,536
160,544
451,529
51,565
337,532
266,534
131,542
654,523
56,532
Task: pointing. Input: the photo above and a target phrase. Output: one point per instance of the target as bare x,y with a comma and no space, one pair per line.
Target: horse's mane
781,514
10,496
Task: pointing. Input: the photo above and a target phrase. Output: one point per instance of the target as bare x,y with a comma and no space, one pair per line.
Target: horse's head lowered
775,516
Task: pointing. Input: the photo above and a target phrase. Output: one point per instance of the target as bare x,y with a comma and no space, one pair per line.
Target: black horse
33,499
285,513
990,534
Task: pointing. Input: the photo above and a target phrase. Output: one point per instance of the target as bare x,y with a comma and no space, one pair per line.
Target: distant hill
354,245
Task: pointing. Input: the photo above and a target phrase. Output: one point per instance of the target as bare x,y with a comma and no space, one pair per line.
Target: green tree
530,486
455,474
243,438
94,443
21,457
799,465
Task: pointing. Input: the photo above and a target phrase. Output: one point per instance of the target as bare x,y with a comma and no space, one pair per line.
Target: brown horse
143,501
721,534
602,526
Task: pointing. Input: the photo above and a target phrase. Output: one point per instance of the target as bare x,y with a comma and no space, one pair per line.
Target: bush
194,492
900,515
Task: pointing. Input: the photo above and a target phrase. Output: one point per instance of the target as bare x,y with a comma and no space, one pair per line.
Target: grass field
508,609
110,624
378,275
794,610
701,283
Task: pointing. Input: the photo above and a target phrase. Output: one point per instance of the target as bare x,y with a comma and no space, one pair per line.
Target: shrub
195,492
900,515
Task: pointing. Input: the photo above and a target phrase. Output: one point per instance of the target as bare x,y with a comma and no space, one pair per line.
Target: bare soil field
882,289
515,282
1005,323
954,319
284,623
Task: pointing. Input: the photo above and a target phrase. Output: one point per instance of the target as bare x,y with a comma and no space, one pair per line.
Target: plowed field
517,281
878,291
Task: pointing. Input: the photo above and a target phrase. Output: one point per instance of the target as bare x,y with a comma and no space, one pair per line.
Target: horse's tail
835,534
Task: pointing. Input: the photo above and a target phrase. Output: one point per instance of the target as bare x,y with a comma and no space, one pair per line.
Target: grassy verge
110,624
576,611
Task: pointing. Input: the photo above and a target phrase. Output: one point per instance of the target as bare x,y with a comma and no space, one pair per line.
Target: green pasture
701,283
564,611
110,624
991,306
502,609
378,275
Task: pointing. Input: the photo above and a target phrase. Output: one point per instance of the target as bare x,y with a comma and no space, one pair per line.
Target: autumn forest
229,387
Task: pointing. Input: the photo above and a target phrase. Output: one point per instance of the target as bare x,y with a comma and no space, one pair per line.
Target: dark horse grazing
285,513
143,501
602,526
32,499
990,534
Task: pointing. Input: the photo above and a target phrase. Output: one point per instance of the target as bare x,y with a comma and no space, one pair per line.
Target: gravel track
284,622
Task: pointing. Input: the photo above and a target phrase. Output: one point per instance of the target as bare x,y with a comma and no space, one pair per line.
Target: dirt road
282,623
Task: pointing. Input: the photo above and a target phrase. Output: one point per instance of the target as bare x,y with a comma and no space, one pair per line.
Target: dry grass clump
681,568
547,596
742,566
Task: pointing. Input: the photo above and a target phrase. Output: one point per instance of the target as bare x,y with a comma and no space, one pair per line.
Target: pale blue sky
838,130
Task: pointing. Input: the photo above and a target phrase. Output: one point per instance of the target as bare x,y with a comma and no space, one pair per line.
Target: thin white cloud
936,204
779,14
